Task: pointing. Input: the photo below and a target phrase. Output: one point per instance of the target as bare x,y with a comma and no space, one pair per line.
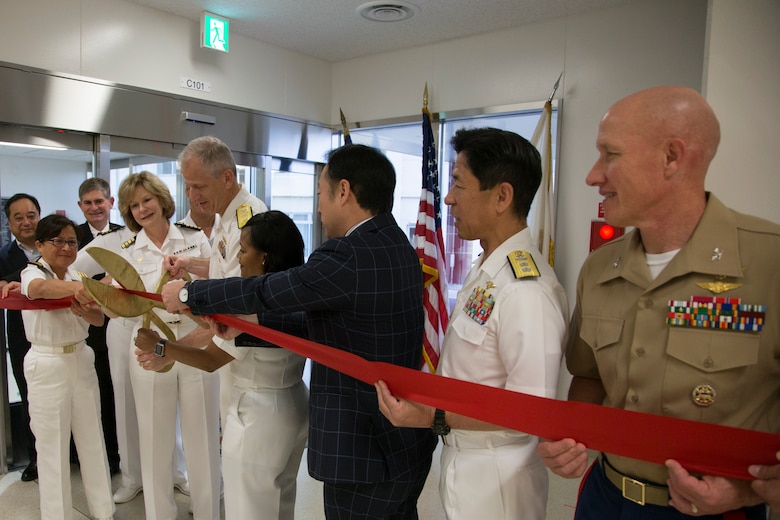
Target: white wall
604,56
44,179
741,83
126,43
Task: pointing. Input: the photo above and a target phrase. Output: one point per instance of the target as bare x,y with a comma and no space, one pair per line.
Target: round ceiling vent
387,11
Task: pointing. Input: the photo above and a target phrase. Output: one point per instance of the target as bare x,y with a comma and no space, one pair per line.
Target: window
402,144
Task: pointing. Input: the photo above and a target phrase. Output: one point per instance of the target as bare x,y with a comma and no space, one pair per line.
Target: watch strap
439,425
159,348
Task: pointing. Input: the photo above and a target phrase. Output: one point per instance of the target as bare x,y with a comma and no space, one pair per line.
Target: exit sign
214,32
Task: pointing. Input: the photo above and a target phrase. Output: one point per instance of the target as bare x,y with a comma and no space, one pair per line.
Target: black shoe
30,472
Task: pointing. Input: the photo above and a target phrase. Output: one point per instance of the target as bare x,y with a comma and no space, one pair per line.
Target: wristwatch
439,425
159,348
184,293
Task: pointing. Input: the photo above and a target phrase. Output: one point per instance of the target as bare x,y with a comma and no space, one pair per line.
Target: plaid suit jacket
363,294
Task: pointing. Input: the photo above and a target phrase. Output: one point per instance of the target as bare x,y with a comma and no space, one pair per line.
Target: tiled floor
19,500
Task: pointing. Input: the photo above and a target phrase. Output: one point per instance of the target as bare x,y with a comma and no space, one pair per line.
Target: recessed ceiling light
387,11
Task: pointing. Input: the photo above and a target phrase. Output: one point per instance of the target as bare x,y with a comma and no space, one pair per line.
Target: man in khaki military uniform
632,344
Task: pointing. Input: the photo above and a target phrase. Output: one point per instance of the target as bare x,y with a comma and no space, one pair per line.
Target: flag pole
347,137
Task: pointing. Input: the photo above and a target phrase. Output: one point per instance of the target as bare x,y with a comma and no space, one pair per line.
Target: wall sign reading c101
195,84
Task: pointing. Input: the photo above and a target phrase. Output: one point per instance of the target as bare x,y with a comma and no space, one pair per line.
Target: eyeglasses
60,242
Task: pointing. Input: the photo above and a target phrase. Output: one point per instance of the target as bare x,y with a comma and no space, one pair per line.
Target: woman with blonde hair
146,206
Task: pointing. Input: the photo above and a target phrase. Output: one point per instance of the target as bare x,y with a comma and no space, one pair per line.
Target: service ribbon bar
713,312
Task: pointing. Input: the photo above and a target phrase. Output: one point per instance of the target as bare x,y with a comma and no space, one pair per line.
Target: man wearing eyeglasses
23,212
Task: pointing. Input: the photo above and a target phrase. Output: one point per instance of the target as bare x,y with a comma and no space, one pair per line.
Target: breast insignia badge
704,395
719,286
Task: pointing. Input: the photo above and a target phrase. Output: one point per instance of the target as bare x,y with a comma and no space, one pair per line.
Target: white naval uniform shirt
55,328
515,339
111,240
224,254
147,259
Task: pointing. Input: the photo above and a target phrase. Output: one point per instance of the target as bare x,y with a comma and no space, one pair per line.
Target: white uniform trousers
117,334
262,445
492,475
156,398
64,397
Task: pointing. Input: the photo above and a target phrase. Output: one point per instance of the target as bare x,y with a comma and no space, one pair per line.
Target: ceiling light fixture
33,146
387,11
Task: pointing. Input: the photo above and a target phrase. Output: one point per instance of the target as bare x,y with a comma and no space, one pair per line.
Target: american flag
429,244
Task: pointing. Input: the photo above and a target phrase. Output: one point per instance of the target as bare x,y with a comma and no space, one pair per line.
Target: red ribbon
18,302
705,448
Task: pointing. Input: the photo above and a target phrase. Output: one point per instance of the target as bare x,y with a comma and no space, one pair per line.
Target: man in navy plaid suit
362,292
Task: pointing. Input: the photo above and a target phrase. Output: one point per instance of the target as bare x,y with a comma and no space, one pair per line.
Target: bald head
661,113
655,147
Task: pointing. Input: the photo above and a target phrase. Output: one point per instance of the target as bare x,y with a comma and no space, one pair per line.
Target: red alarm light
606,232
601,233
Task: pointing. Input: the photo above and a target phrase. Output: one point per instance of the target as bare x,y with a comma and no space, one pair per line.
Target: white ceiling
332,30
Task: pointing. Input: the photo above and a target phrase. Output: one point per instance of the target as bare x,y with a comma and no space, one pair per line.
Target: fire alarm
601,233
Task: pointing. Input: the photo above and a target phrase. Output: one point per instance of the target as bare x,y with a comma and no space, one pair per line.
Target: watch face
183,294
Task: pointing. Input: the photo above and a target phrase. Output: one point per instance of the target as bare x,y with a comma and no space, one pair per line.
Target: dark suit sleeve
326,282
12,262
293,323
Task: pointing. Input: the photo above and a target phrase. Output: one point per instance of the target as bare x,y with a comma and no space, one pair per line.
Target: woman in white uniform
61,378
119,329
267,420
146,206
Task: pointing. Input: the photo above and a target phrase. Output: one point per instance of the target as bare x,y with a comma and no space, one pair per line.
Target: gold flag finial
425,96
555,88
344,125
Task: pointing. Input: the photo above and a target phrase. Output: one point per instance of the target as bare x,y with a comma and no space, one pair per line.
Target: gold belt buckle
69,349
631,488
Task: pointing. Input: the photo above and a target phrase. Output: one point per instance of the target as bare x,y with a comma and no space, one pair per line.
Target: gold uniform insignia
109,231
704,395
243,214
129,243
188,226
523,265
719,286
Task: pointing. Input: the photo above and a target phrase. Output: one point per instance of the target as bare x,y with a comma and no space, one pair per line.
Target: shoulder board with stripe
110,231
41,267
129,242
243,214
523,265
187,226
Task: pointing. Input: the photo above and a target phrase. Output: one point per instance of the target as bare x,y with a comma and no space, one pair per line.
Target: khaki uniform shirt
619,333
